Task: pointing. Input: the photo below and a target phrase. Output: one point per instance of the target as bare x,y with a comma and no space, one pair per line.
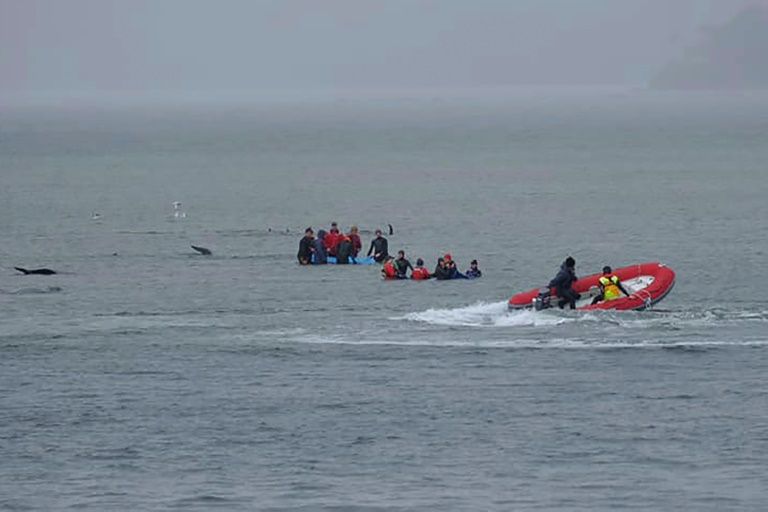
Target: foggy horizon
90,49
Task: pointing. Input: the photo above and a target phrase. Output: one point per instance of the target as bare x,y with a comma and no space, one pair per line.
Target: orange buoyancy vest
420,273
389,270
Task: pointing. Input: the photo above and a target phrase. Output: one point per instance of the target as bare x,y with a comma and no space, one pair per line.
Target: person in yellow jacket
610,287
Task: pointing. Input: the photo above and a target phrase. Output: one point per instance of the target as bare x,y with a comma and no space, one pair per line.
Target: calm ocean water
144,377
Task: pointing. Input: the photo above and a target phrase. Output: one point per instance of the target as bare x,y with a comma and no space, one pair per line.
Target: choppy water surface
146,377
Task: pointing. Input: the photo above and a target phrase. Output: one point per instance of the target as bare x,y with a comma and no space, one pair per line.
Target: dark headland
733,55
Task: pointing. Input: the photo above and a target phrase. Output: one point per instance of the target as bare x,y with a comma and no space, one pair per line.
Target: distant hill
730,56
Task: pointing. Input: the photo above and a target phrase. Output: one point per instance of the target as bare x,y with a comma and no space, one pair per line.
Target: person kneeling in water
420,273
388,270
473,272
610,286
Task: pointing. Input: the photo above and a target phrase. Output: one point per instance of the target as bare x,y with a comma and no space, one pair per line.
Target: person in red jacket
388,270
332,239
420,273
357,243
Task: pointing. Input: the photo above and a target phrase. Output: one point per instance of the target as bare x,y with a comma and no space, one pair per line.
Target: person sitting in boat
379,248
563,284
388,270
610,286
357,243
306,247
402,265
420,272
343,250
473,272
320,256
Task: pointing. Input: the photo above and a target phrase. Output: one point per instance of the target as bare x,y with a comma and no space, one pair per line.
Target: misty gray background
85,47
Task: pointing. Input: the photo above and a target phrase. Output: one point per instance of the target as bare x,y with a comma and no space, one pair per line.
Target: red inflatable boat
647,284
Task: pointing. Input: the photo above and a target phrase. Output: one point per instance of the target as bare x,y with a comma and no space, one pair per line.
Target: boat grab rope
647,299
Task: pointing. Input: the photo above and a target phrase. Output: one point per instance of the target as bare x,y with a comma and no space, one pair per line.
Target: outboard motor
543,301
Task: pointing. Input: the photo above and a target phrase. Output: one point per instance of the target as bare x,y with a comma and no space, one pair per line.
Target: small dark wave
205,500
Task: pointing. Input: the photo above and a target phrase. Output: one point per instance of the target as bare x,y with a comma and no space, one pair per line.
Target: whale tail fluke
202,250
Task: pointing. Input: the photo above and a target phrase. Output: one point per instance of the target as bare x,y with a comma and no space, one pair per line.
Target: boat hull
647,283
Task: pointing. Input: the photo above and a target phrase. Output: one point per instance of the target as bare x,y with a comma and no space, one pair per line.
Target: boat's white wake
495,314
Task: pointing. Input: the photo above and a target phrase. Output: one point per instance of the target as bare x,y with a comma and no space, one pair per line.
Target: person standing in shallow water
321,256
306,247
357,243
379,247
332,239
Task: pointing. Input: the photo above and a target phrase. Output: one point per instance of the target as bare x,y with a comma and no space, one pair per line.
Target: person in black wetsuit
563,283
402,265
441,271
379,247
306,246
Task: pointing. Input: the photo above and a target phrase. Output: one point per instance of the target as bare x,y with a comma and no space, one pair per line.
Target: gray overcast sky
85,46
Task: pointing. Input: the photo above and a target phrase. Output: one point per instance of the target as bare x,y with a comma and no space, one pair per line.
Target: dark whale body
38,271
202,250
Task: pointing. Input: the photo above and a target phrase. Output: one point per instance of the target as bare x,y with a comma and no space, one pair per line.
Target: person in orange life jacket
473,272
343,250
420,273
402,265
379,248
357,244
388,270
332,239
610,286
305,247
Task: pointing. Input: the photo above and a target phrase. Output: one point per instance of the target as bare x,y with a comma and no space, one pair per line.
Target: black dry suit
305,250
563,285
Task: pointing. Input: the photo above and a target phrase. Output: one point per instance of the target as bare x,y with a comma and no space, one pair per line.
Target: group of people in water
609,283
315,250
346,249
397,268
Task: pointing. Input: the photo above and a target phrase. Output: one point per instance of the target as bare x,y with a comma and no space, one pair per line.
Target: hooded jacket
564,279
321,256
